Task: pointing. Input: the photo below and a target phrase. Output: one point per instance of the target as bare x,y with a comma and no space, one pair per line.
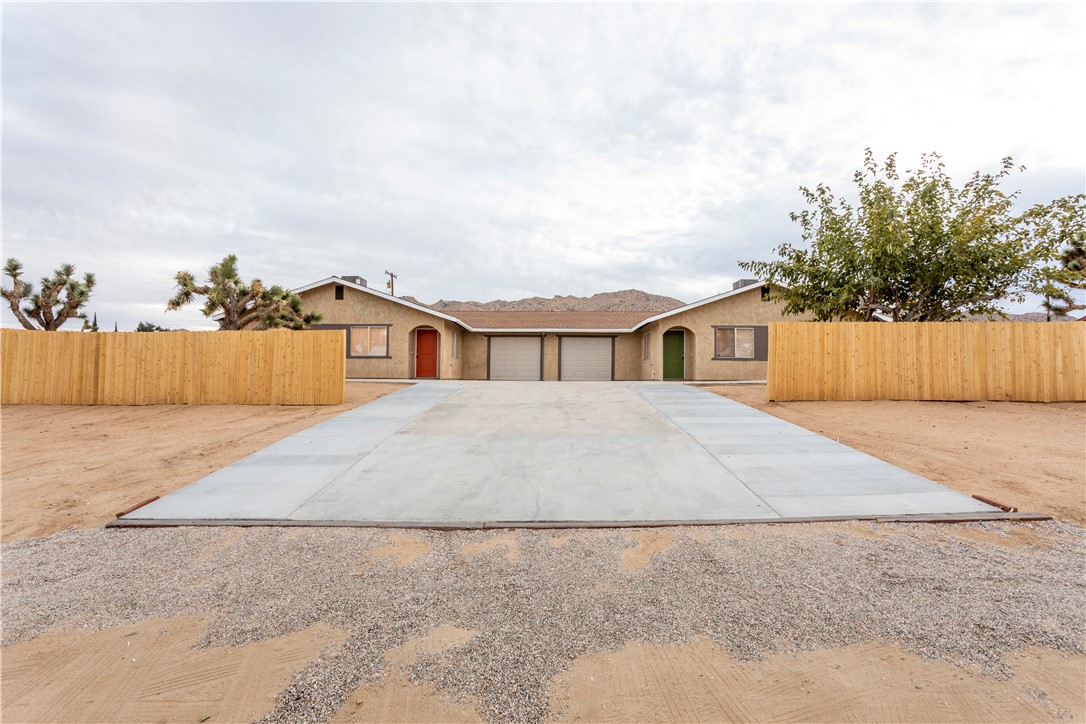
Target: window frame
646,346
455,351
734,328
350,347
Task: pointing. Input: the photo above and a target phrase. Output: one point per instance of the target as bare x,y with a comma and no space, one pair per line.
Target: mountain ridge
626,300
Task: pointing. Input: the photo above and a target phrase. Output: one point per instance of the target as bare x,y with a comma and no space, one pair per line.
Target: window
339,292
456,345
734,343
368,342
646,346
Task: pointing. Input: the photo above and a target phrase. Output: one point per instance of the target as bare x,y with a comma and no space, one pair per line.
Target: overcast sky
495,151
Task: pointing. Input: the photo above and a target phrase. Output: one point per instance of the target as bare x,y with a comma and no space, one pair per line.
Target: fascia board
486,330
699,303
561,330
382,295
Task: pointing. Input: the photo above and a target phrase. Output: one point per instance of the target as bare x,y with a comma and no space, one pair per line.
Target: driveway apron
493,453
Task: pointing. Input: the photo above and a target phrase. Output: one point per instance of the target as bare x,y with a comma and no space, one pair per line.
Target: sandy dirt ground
151,672
65,467
1028,455
68,468
868,682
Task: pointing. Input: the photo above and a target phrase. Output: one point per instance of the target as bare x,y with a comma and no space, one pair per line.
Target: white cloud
489,151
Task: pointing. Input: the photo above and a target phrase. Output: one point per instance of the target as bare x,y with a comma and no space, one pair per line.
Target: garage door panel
515,358
586,358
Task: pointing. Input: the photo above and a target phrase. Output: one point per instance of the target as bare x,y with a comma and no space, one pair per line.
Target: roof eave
700,303
530,330
382,295
497,330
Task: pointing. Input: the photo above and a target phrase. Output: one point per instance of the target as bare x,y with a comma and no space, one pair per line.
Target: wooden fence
1024,361
275,367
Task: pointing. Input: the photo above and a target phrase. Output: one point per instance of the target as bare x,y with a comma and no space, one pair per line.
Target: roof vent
743,283
354,280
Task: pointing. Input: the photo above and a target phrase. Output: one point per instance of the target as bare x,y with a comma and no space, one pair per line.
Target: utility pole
391,284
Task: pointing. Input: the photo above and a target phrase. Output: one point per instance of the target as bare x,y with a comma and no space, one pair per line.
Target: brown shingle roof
551,320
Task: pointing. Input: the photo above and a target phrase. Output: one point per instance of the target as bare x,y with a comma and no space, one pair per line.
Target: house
724,337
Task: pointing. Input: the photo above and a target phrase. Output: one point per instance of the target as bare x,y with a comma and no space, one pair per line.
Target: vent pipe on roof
354,280
743,283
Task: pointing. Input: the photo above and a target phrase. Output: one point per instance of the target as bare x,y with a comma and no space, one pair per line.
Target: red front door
426,353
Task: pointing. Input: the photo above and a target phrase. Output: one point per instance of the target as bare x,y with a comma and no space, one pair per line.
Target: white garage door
515,358
586,358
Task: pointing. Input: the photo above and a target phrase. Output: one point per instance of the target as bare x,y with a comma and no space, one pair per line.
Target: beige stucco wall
628,356
645,367
474,356
744,308
361,308
550,356
454,367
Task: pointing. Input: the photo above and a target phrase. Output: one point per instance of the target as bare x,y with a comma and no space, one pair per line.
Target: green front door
674,355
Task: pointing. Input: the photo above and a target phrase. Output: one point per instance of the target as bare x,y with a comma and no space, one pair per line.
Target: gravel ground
752,591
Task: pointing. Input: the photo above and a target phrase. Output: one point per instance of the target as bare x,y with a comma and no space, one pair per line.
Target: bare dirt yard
1028,455
66,466
851,621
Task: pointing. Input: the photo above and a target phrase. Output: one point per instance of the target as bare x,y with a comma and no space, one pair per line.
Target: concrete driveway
529,453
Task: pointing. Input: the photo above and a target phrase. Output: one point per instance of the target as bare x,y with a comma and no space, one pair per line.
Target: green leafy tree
1062,281
919,250
241,305
151,327
61,297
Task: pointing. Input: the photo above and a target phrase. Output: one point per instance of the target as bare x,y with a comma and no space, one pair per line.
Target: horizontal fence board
1021,361
275,367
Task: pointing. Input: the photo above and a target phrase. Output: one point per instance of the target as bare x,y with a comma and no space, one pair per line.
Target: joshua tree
62,297
241,304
